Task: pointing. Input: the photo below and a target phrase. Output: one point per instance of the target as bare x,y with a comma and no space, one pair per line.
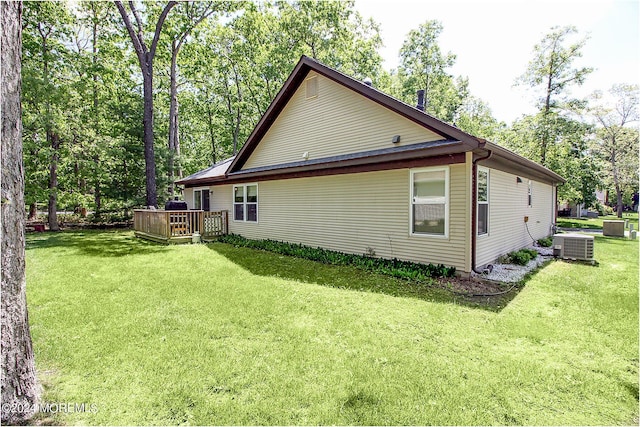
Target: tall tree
46,27
615,142
146,55
423,65
19,384
190,15
551,73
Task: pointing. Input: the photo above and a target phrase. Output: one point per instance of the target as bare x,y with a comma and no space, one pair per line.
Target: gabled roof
454,141
296,78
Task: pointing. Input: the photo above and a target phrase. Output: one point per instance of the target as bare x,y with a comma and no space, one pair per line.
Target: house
335,163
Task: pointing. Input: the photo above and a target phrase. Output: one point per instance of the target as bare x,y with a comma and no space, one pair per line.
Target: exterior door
205,200
201,199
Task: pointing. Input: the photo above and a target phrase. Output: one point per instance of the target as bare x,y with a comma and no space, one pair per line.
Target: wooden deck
179,226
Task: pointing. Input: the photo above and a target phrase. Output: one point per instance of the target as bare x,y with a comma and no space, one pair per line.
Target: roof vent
368,81
311,87
420,105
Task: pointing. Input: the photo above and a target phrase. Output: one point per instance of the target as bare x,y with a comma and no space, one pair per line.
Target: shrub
391,267
522,257
603,209
545,242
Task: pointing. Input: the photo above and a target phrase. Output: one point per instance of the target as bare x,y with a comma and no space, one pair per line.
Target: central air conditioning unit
573,246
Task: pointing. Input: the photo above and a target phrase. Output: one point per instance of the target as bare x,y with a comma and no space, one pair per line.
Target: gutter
474,207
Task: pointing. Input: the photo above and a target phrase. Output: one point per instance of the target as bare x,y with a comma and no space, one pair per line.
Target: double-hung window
430,201
530,194
245,203
483,201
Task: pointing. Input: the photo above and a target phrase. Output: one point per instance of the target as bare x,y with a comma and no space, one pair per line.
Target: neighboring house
338,164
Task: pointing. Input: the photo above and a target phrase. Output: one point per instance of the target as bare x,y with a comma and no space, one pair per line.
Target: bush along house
337,164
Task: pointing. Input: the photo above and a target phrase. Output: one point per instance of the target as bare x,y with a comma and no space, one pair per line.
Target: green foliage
521,257
551,71
424,66
393,267
77,86
545,242
556,136
203,334
616,140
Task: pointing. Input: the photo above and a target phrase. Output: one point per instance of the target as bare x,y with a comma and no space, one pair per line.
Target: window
430,201
483,201
529,195
201,199
245,203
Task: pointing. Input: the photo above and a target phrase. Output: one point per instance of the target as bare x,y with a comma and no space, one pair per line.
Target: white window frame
478,202
244,202
447,201
530,194
199,190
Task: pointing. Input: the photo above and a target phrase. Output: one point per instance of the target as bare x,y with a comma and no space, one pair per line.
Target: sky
494,41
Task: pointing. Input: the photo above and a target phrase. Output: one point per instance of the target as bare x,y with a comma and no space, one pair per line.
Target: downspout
555,208
474,209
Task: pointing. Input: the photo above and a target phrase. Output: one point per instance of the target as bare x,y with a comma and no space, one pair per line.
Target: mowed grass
200,334
596,223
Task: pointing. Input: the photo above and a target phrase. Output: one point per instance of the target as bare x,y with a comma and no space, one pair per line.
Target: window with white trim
430,201
530,195
245,202
483,201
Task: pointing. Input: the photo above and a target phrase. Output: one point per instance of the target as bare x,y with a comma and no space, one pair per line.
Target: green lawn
208,334
596,223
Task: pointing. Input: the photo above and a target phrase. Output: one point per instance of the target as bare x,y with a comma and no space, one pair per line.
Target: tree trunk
619,201
33,211
97,196
149,153
178,165
96,121
173,116
53,183
19,385
211,132
145,58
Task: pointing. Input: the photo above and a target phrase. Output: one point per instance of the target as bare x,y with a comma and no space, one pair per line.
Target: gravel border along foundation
510,273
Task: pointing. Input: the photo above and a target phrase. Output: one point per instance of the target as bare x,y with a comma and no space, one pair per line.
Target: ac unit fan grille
578,248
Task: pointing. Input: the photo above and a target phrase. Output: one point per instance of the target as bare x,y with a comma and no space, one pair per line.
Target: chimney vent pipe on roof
420,105
368,81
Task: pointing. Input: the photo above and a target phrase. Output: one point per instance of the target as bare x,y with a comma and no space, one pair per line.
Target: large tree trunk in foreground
19,386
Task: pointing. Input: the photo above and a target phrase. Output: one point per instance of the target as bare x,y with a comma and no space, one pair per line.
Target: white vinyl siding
353,212
188,197
509,202
334,121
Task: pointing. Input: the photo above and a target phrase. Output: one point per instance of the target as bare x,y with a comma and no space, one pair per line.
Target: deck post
179,226
167,219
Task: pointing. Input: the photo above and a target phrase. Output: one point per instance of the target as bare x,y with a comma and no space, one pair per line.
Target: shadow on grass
264,263
96,243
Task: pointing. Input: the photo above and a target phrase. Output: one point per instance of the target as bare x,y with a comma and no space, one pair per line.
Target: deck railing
177,225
